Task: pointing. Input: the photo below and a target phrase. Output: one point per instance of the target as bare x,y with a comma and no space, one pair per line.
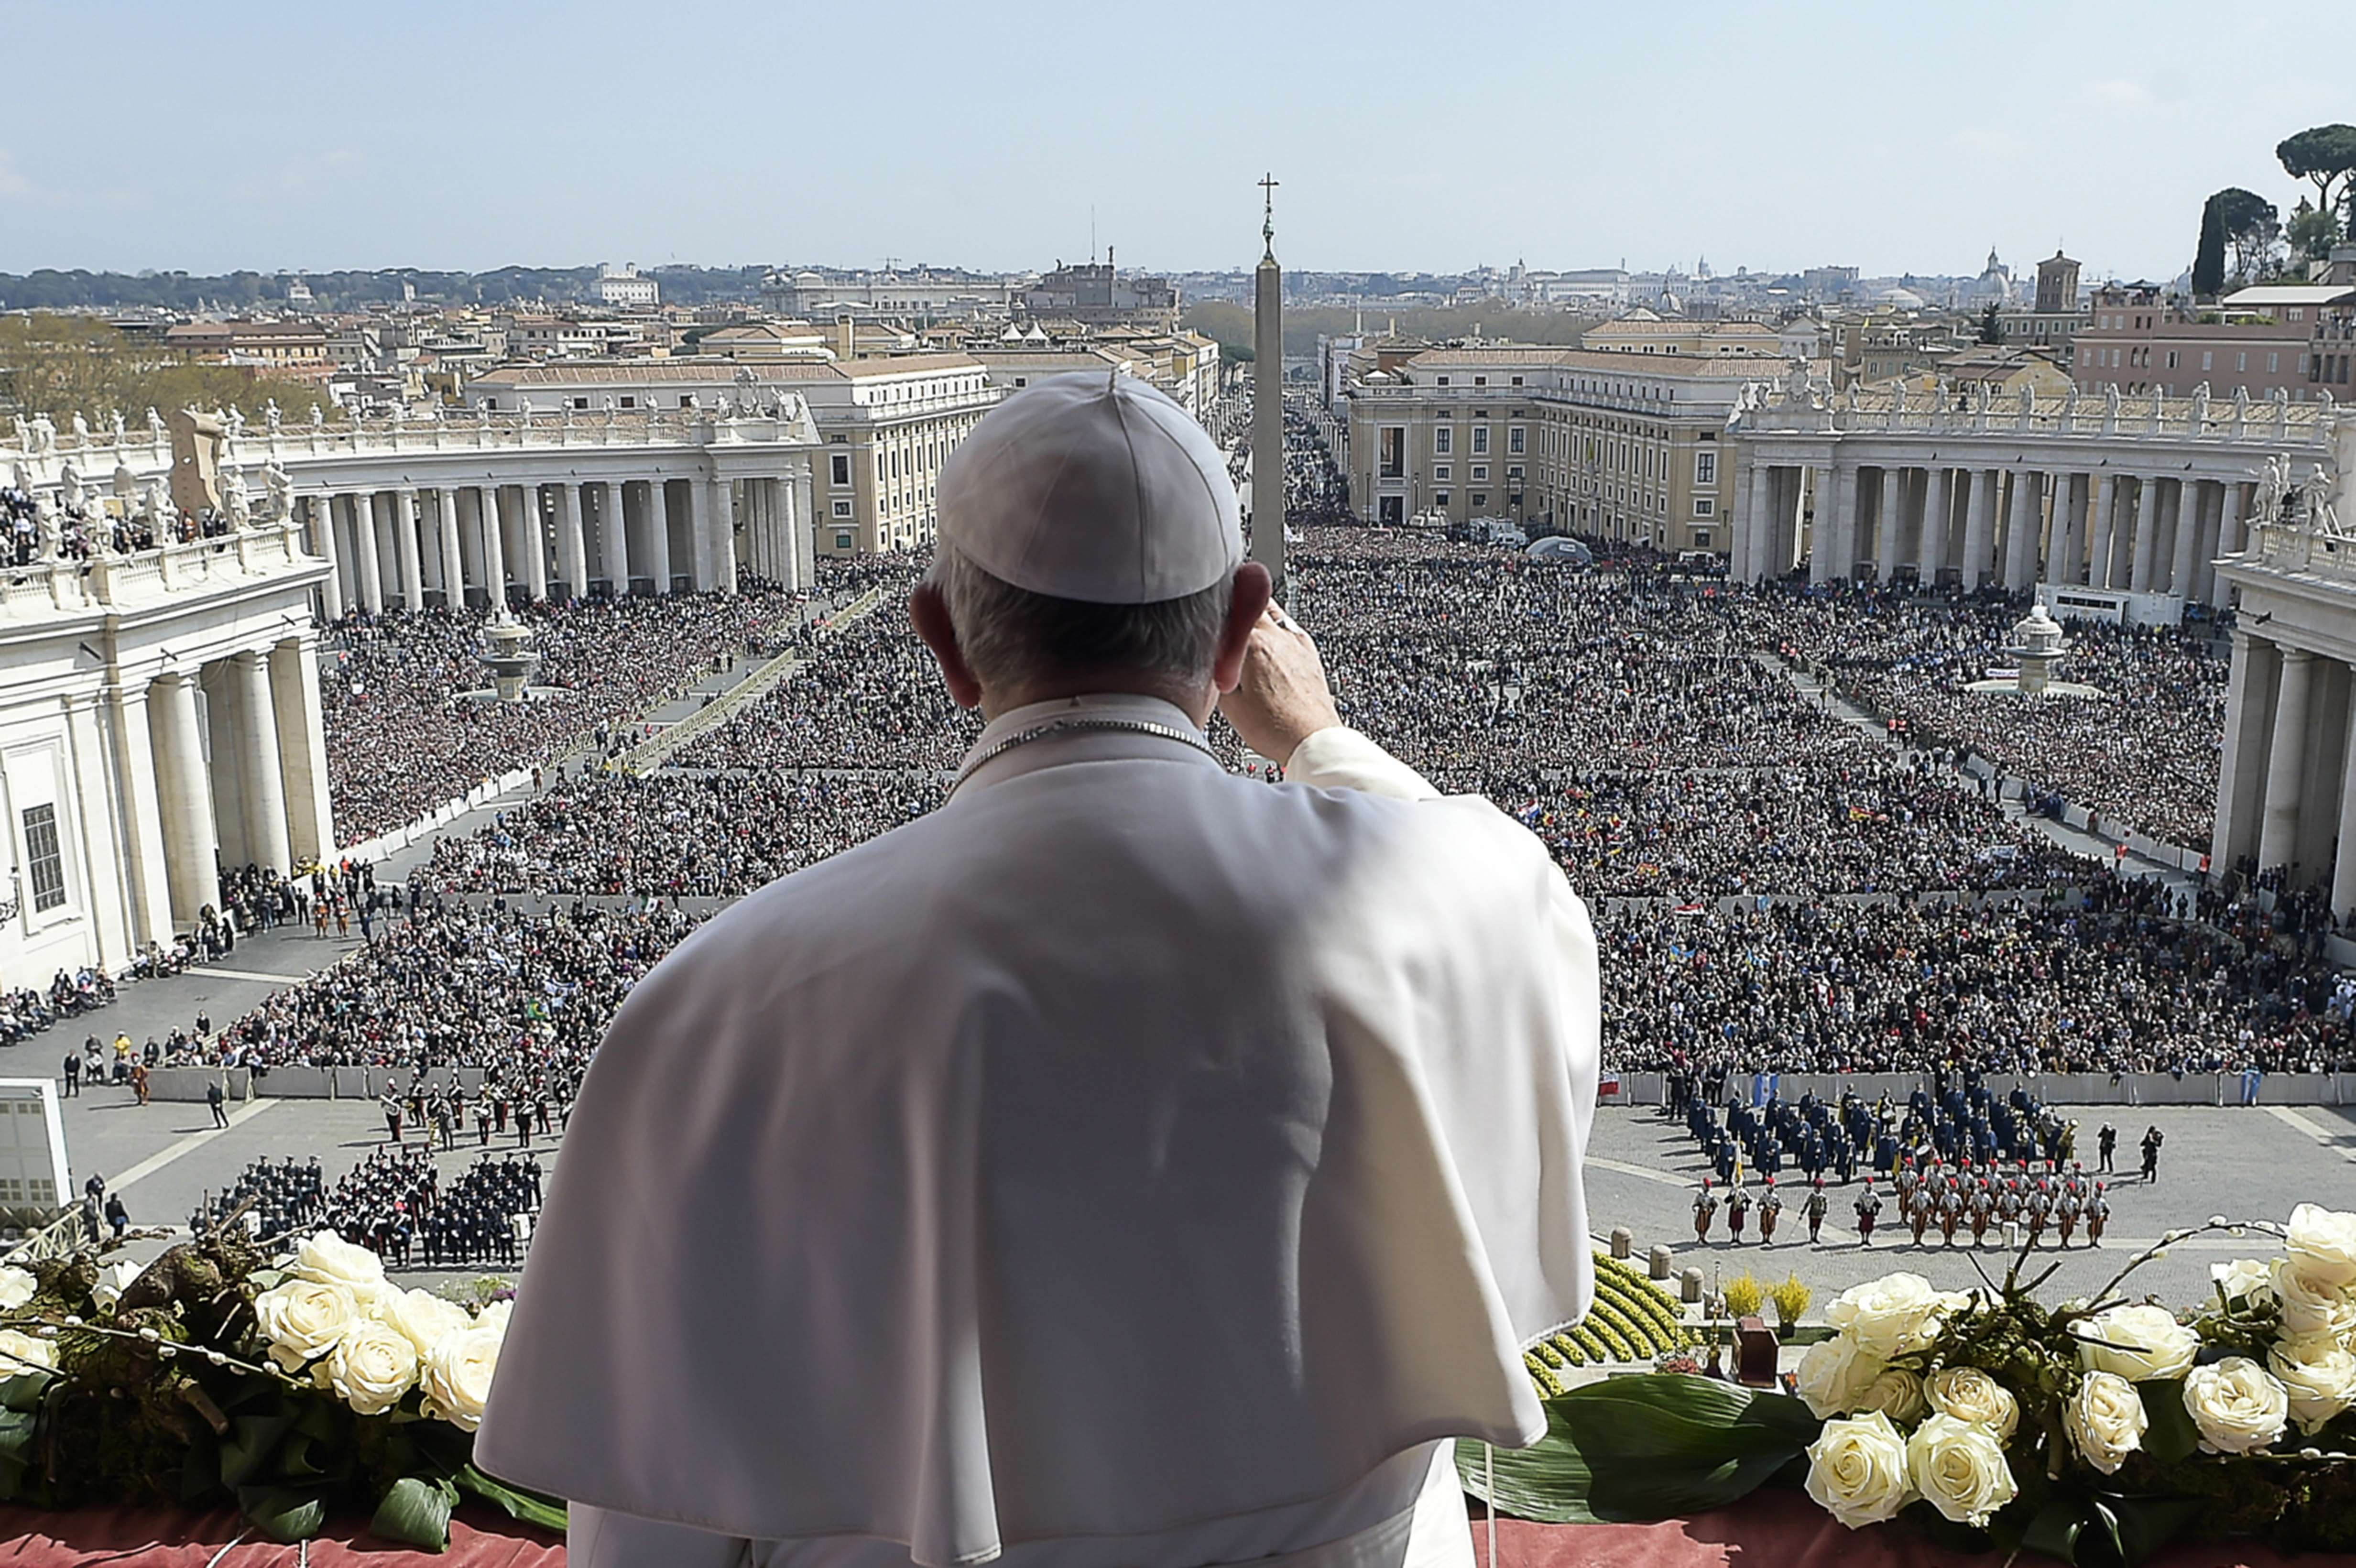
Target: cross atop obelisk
1268,396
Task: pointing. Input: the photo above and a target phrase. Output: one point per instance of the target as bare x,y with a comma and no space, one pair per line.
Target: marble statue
24,436
155,426
233,421
2273,489
127,489
234,501
2201,409
2111,399
317,419
70,484
81,429
44,435
269,416
1799,392
157,507
2315,495
278,492
115,421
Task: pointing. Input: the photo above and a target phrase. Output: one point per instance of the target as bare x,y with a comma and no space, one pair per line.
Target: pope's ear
930,615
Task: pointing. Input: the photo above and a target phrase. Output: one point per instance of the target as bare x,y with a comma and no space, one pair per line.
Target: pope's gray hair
1013,637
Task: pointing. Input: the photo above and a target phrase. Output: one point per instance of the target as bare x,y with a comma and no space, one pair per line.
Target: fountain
505,656
2037,645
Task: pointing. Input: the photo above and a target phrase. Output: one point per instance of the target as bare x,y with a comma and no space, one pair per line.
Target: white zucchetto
1094,487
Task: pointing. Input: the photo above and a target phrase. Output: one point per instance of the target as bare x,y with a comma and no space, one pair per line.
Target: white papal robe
1128,1163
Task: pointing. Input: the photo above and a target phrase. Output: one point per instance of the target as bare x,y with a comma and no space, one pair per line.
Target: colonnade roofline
1787,409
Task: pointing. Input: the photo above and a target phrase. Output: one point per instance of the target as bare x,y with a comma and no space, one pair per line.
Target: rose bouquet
2094,1431
294,1385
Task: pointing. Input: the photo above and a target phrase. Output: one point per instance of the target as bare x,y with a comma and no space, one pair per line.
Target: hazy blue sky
1435,135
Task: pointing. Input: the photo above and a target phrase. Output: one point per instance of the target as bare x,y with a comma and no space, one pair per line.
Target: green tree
2209,255
2325,154
1991,328
2251,226
2313,230
60,365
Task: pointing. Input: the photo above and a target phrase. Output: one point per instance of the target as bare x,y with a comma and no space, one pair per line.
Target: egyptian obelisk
1268,398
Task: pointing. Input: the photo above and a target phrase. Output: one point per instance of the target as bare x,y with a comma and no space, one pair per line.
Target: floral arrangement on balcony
294,1386
2092,1431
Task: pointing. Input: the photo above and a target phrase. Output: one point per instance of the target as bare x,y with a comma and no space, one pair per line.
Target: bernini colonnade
2136,498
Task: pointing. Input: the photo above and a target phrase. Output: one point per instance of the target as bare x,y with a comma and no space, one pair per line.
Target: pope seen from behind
1130,1163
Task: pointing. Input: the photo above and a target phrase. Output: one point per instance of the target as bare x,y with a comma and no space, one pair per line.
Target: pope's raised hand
1283,698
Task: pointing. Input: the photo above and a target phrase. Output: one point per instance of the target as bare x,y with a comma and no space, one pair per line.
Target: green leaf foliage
2172,1437
1644,1447
526,1506
285,1514
2105,1530
417,1512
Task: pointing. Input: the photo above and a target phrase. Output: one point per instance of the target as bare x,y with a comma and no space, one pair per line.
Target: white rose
302,1319
17,1350
2322,1242
1897,1393
330,1259
371,1367
1834,1375
2138,1342
2107,1420
2237,1404
2242,1278
1969,1394
423,1317
457,1376
1886,1316
1960,1468
495,1316
2310,1305
113,1280
17,1287
1857,1470
2317,1374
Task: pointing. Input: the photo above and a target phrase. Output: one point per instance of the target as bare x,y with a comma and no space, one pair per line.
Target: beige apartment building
2295,339
885,426
1642,332
1627,447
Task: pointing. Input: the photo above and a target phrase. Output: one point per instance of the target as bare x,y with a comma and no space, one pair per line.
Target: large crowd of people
2141,750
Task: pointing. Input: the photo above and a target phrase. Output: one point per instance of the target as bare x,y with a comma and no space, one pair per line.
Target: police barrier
181,1084
2128,1089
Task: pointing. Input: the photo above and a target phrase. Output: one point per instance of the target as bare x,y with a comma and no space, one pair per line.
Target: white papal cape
1128,1153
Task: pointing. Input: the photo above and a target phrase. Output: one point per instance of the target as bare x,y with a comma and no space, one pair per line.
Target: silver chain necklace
1054,727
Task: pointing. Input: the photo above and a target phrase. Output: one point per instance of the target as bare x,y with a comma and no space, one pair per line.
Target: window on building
2274,363
1517,440
1443,440
1705,467
842,508
1440,497
1701,539
1479,381
629,402
580,402
2206,356
2171,358
1480,438
1518,381
842,541
2242,361
1443,380
1480,471
1480,499
1514,472
1443,471
1704,507
44,862
842,468
687,400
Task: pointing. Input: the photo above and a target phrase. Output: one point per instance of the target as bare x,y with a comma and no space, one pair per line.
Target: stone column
1753,539
454,555
2147,535
571,548
2187,537
371,572
2231,540
2241,766
302,747
1821,567
186,792
1885,544
531,529
408,550
1938,510
2098,563
337,588
659,534
148,888
613,539
698,529
2021,534
801,518
1979,529
2206,499
2344,867
2285,761
495,548
719,522
2070,529
258,762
